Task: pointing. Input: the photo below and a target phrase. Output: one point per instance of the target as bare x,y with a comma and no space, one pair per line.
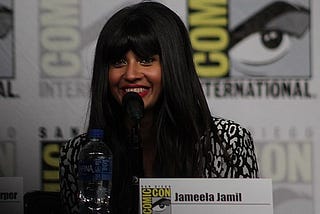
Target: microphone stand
136,165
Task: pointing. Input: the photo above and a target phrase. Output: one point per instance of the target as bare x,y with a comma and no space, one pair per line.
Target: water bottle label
96,169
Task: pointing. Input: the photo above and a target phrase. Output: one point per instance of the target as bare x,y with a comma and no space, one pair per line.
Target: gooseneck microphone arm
134,107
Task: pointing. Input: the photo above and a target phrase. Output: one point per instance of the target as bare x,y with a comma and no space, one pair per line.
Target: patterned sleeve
234,156
68,171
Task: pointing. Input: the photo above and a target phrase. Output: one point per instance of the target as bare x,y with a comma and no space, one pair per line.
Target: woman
145,48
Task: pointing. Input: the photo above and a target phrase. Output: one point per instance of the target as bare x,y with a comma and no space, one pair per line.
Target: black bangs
136,34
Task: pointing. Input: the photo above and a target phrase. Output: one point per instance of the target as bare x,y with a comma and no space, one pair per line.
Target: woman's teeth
137,90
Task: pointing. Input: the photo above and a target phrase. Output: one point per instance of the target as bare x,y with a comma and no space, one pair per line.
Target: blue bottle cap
96,133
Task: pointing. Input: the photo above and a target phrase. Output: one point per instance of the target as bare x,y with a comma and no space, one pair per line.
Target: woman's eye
146,61
119,63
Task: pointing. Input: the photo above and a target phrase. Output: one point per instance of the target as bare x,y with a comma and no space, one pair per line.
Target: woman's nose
132,71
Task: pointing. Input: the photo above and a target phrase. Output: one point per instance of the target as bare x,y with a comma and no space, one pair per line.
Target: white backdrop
46,60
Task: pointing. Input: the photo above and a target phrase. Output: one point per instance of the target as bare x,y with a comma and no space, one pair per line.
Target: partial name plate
11,195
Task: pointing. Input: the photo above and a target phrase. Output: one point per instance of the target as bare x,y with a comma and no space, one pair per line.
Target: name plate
205,196
11,195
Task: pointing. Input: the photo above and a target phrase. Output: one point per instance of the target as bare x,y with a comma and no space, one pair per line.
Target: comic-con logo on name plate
156,200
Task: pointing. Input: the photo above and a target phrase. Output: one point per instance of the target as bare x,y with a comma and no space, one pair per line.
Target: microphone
133,104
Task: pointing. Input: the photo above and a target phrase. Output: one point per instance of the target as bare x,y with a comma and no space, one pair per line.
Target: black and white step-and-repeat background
258,62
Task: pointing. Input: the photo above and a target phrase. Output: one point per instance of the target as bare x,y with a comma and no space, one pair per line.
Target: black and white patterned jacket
236,140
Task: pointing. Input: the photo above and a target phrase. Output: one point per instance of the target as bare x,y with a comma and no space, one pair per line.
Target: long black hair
182,113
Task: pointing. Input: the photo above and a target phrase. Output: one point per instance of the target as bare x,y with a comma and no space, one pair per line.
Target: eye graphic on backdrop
6,41
5,21
266,37
261,48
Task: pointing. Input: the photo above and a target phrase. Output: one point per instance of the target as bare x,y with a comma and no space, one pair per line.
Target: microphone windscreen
133,104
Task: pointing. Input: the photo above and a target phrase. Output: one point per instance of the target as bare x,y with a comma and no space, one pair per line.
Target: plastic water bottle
95,174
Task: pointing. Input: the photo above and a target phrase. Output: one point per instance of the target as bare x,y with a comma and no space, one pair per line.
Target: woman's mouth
141,91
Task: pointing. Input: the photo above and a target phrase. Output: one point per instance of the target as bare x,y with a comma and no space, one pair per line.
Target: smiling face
137,74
